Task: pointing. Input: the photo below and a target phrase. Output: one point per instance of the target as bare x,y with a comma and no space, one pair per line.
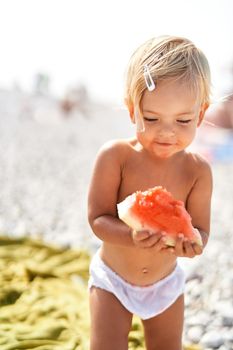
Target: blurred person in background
221,113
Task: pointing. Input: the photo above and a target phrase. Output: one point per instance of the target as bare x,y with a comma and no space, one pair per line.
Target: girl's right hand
147,239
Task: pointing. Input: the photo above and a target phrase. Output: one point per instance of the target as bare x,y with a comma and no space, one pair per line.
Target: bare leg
164,331
110,321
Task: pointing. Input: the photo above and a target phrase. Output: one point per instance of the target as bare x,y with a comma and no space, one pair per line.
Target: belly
138,266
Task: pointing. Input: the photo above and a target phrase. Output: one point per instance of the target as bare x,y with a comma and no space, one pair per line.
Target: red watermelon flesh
157,210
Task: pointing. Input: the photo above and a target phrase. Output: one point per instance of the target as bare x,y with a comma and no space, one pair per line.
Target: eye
181,121
150,119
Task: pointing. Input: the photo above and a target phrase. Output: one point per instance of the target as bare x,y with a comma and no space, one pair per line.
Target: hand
147,239
185,248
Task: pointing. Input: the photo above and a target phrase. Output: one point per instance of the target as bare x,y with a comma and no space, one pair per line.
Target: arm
103,193
199,201
198,206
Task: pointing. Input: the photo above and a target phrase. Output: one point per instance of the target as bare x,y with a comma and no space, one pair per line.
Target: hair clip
148,79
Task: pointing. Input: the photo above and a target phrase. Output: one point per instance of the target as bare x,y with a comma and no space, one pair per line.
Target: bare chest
176,178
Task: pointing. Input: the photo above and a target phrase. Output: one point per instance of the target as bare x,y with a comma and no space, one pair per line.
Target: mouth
164,144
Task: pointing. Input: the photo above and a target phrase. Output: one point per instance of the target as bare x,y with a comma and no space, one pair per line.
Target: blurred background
62,68
89,42
62,81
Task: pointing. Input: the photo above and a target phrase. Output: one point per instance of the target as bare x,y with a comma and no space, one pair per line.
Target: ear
202,113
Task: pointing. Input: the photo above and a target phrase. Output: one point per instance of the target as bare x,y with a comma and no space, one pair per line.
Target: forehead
170,94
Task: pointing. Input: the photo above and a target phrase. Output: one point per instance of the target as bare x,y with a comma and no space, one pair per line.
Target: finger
197,249
160,243
179,247
140,235
188,249
152,240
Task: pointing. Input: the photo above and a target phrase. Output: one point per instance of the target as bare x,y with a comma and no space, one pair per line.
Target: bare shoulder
106,177
199,165
203,180
118,149
117,145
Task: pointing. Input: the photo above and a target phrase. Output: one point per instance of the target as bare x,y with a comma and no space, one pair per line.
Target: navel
144,270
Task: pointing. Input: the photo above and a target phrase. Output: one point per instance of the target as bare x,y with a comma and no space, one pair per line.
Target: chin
166,155
162,156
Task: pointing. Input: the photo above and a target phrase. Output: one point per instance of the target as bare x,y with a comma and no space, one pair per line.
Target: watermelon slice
156,210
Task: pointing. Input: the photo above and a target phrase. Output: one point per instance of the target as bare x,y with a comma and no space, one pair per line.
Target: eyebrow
177,115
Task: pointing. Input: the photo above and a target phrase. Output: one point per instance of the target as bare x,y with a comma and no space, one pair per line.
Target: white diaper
145,302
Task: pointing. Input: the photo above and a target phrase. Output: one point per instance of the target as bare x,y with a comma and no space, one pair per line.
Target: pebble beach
46,159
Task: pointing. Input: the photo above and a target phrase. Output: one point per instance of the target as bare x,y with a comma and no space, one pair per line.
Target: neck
165,161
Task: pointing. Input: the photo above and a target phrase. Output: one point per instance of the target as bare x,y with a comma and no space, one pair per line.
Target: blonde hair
167,57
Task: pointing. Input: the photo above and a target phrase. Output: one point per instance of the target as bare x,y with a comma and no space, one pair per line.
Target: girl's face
171,114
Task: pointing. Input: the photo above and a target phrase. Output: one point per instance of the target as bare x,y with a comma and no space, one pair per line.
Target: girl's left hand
185,248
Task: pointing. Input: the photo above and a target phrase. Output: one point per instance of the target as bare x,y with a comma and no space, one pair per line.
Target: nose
166,130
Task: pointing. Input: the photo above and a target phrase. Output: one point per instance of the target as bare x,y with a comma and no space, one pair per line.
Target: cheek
147,135
189,134
144,139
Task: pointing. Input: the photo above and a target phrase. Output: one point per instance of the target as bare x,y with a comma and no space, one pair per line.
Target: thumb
141,235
